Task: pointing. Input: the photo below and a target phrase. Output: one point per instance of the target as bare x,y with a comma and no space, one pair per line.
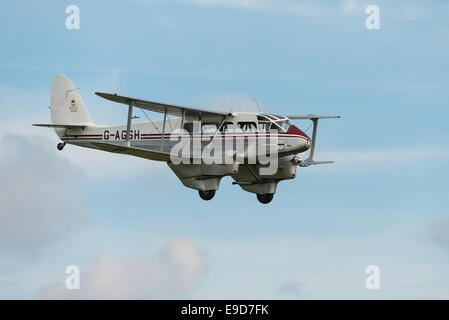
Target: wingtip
104,94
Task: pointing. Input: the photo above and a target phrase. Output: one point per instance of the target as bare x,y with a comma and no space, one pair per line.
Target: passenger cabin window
248,126
230,127
188,127
192,127
209,127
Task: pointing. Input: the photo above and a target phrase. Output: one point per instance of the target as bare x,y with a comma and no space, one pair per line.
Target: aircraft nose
296,131
309,143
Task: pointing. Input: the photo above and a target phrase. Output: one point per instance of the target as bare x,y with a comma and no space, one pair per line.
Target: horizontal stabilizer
67,126
312,116
308,162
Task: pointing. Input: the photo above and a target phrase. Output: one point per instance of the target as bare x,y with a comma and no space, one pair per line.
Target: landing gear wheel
60,146
265,197
206,195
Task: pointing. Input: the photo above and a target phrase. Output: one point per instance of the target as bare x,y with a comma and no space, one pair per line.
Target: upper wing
171,109
67,126
311,116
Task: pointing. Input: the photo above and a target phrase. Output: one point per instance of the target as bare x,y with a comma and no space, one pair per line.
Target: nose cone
302,136
295,130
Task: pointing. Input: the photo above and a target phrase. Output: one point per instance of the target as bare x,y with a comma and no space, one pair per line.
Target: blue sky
127,221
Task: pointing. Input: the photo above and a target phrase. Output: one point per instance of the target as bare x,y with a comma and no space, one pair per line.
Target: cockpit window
286,124
281,126
273,122
264,125
275,126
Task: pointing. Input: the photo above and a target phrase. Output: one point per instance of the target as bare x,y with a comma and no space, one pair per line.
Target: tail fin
66,104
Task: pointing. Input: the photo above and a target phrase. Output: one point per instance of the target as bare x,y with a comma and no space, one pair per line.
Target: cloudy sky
136,232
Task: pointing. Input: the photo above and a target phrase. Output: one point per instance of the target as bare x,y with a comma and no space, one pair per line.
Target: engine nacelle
203,176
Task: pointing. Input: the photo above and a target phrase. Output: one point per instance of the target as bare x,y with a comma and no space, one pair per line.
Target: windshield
286,124
270,123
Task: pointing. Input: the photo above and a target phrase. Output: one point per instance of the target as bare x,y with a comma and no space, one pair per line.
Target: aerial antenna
258,107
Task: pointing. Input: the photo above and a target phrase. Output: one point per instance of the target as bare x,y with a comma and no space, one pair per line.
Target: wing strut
128,125
218,130
315,127
163,130
183,116
309,161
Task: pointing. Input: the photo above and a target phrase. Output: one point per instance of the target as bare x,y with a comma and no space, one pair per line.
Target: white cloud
402,10
97,164
232,3
111,166
188,262
291,287
348,6
353,6
40,201
303,8
438,233
172,274
300,8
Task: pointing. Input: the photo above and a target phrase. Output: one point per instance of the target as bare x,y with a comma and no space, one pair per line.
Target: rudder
66,104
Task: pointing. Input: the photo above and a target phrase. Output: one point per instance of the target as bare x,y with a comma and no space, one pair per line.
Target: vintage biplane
156,140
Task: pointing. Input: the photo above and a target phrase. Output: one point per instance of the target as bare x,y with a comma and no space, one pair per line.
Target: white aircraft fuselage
201,146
